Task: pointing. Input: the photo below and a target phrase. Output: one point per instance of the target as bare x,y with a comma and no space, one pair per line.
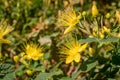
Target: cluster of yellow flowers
72,49
100,32
69,17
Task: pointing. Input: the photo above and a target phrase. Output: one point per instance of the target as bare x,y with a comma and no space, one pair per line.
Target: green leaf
56,66
9,76
57,73
45,76
86,67
66,78
76,74
54,34
20,70
113,39
39,68
47,55
4,66
91,66
89,40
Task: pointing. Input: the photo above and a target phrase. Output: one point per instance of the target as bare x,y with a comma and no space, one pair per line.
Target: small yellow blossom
28,2
84,13
104,29
72,51
107,15
65,3
68,18
94,9
16,58
6,55
33,51
99,32
101,35
29,72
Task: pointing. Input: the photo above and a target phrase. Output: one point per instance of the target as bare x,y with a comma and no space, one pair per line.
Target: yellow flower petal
29,72
83,47
69,59
70,28
77,57
4,41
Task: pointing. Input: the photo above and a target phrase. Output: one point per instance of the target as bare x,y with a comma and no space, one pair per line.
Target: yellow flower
29,72
65,3
16,58
68,18
72,51
33,51
101,35
94,9
107,15
6,55
99,32
104,29
4,30
84,13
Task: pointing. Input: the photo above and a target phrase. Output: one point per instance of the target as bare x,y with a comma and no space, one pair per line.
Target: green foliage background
36,20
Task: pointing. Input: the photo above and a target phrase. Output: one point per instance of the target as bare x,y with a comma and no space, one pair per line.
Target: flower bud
65,3
94,9
107,15
84,13
101,35
91,51
16,58
29,72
